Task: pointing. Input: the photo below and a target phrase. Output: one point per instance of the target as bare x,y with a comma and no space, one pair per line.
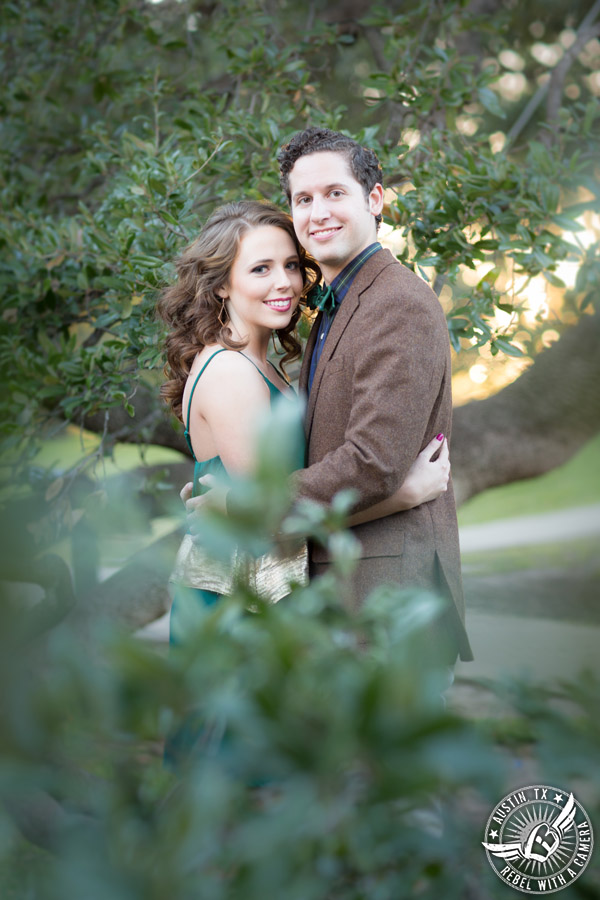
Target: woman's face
265,282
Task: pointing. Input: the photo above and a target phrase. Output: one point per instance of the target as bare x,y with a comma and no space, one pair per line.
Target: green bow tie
321,298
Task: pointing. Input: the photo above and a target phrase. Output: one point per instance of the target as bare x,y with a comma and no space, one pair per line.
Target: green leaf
489,278
490,101
151,262
455,341
567,223
507,348
541,157
169,218
458,324
553,279
159,186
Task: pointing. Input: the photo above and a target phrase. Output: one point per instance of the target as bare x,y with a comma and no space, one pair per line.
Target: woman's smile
282,304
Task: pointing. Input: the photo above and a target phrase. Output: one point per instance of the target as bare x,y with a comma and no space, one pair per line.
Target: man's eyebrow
328,187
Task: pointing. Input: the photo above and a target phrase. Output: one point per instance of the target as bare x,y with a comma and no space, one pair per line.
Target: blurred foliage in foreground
324,759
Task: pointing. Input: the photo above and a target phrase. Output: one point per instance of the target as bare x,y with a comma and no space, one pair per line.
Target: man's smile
325,232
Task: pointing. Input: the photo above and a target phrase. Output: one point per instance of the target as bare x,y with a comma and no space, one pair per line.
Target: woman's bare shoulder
225,372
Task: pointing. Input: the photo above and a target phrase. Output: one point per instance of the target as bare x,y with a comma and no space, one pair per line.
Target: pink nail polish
439,437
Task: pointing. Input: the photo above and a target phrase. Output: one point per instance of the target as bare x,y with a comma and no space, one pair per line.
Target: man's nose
319,209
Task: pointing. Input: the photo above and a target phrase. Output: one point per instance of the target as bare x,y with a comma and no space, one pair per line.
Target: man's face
333,218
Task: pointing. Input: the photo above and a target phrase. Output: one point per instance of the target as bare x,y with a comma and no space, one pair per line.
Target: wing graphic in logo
564,821
543,840
511,850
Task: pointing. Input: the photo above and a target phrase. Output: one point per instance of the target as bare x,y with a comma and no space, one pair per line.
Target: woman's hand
186,492
426,480
213,496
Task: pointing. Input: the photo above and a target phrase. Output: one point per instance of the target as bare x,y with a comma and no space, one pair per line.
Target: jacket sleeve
393,377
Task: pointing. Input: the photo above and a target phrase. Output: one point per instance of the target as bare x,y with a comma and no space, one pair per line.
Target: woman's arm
425,481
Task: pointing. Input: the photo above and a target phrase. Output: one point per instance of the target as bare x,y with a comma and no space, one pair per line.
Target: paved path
543,648
564,524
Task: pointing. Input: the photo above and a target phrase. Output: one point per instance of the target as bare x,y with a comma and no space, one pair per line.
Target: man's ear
376,199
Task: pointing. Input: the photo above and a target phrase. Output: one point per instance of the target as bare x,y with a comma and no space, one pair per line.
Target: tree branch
557,79
529,110
536,423
151,423
136,594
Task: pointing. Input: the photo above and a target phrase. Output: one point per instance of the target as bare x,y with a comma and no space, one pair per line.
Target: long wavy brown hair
191,306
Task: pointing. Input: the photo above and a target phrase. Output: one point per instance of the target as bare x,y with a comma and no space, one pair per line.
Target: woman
240,282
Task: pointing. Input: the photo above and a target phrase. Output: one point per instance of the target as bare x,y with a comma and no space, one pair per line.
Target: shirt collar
342,282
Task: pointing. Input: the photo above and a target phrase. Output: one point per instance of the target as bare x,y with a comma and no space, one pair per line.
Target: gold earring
222,312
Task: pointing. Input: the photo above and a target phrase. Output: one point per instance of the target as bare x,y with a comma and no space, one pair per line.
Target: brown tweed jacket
381,392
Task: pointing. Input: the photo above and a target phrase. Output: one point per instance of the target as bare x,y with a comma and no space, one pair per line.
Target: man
377,373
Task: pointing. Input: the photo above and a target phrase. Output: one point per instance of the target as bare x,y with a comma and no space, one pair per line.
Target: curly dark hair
191,306
363,162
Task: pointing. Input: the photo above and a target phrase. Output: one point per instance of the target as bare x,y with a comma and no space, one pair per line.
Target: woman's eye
260,270
293,265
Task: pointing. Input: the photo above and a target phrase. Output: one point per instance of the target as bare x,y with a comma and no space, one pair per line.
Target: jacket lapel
308,352
342,318
365,277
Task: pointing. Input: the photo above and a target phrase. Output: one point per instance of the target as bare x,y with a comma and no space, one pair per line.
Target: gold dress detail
270,577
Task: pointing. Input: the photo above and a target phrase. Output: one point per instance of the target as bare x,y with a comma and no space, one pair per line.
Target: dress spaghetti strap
281,374
269,383
186,433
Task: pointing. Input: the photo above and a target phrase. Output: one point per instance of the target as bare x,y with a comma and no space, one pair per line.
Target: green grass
576,483
66,450
559,555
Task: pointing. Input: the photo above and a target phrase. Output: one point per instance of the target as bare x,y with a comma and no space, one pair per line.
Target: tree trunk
151,423
138,592
537,422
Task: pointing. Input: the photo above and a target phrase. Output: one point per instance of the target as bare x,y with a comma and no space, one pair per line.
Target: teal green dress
192,734
213,466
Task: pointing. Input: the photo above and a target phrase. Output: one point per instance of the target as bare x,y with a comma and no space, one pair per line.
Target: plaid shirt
340,287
